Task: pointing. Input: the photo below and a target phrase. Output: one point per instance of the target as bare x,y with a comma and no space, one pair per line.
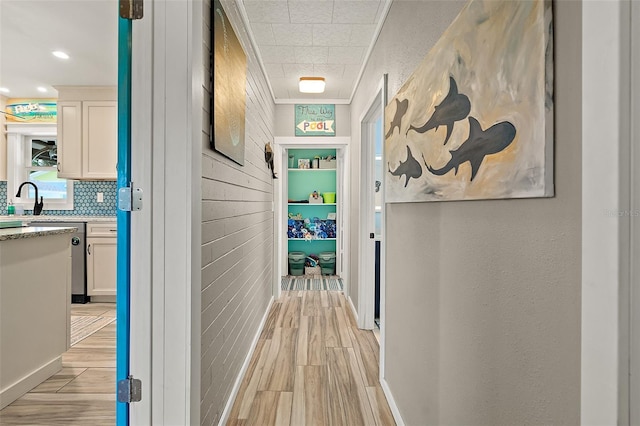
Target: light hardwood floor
83,392
312,366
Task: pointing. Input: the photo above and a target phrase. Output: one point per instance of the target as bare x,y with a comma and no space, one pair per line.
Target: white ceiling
31,29
330,39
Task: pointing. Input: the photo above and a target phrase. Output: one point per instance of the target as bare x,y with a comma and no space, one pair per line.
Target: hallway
312,366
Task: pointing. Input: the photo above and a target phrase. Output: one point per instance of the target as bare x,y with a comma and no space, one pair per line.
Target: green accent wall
301,183
309,154
313,247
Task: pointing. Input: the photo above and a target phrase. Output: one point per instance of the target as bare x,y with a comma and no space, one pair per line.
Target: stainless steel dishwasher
78,261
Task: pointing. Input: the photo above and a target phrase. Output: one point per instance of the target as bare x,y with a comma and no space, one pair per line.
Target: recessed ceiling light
311,84
60,54
42,89
4,90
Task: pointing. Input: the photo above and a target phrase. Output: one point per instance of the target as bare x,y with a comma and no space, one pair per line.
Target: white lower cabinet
101,258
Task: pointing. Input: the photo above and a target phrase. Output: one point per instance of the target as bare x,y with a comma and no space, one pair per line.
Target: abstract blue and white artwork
475,119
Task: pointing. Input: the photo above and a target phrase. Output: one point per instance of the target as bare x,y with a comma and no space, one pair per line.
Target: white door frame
634,252
167,106
609,208
366,249
340,144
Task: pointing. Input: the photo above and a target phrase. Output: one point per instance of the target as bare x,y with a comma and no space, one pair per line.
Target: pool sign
315,120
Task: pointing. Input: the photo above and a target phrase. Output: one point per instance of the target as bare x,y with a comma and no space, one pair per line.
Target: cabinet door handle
113,230
58,166
89,249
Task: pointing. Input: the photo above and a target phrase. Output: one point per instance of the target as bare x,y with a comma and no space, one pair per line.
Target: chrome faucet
37,207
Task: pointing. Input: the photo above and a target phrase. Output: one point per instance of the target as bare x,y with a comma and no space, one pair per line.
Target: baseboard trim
353,309
103,299
245,366
30,381
392,402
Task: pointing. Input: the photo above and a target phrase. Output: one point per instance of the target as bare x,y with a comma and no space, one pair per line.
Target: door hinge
130,199
130,390
131,9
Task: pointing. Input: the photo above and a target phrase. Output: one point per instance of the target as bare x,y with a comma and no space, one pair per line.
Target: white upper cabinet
70,131
87,132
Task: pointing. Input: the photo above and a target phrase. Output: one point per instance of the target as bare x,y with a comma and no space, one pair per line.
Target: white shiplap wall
237,237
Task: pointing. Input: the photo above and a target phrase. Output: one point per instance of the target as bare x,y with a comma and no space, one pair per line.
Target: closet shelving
302,183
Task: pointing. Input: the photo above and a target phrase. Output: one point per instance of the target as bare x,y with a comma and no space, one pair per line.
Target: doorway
371,264
311,218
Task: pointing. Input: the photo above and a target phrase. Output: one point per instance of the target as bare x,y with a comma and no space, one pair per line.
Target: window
35,155
41,168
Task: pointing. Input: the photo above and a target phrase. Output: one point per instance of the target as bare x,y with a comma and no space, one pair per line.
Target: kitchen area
58,196
58,229
58,236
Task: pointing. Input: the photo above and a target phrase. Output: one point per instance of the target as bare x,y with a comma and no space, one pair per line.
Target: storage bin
329,197
328,164
312,270
296,262
328,262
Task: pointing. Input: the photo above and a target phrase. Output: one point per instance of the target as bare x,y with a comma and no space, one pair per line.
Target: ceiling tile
315,55
274,70
278,54
345,55
331,34
351,71
263,34
293,34
298,70
311,12
381,8
335,70
270,12
280,88
361,35
354,12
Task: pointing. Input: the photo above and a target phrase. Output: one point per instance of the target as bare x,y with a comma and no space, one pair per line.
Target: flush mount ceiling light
311,84
60,54
4,90
42,89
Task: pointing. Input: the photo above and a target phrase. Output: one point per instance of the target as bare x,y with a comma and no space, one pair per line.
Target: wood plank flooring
83,392
312,366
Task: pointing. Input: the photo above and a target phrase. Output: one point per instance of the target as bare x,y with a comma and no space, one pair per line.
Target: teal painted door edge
123,217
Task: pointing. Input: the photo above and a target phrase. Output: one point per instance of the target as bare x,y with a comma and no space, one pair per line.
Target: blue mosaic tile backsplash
84,199
3,198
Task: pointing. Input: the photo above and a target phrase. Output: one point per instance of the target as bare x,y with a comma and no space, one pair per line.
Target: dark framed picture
228,76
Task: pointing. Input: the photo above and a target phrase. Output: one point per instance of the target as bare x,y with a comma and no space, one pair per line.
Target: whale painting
401,109
410,168
477,112
479,144
454,107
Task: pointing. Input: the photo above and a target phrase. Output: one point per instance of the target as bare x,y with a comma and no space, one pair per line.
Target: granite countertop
32,231
58,218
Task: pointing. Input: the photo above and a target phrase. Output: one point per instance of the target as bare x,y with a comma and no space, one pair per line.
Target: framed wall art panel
475,119
229,69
